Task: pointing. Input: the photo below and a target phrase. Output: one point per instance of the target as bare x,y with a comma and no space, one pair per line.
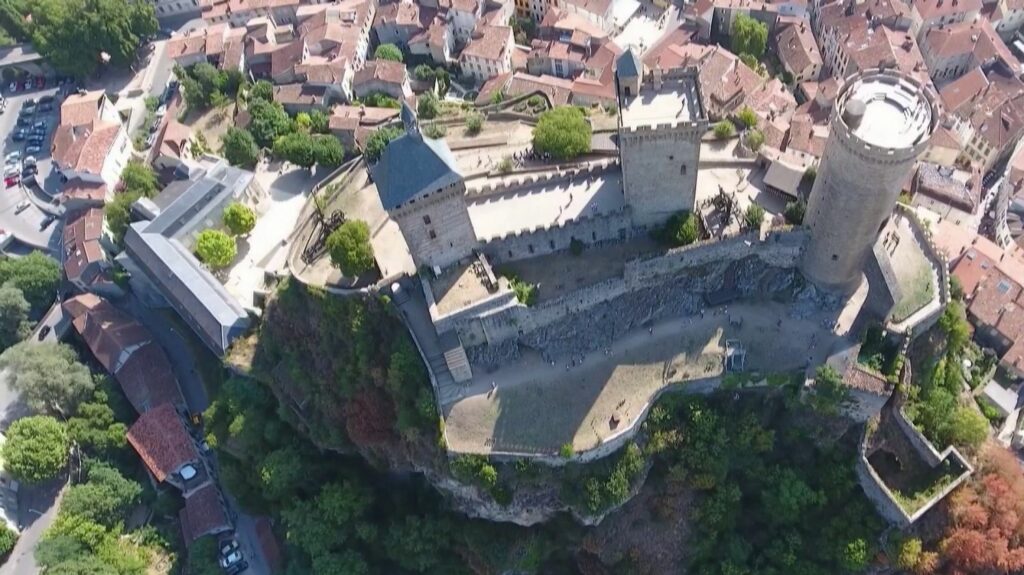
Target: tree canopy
239,147
388,52
268,122
118,213
36,275
747,117
428,107
724,129
14,309
379,140
261,90
296,148
239,218
749,36
36,448
754,216
215,249
562,132
679,230
105,497
138,177
47,375
74,35
203,85
350,249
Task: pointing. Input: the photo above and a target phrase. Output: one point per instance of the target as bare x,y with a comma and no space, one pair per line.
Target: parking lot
25,221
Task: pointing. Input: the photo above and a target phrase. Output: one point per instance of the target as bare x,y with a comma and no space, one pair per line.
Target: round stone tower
881,122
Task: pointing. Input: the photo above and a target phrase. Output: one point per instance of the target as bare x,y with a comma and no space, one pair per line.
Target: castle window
593,236
551,243
671,158
530,247
835,257
682,169
432,235
426,220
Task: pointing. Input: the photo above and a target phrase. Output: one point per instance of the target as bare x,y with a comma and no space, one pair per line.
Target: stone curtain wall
779,249
545,240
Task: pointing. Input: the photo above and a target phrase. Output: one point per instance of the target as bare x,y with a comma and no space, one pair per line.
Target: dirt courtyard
538,407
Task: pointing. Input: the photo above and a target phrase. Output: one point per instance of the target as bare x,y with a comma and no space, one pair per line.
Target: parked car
46,100
29,161
47,221
19,135
22,206
33,149
13,158
228,546
44,332
48,107
36,139
25,121
12,180
237,568
29,171
13,88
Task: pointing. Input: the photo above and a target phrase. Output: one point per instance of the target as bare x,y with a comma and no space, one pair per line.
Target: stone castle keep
661,122
881,122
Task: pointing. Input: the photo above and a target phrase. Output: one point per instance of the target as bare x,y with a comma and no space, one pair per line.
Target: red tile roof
147,379
489,42
203,514
161,440
82,247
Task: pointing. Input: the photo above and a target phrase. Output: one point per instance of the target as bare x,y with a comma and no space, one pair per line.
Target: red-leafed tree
370,418
986,533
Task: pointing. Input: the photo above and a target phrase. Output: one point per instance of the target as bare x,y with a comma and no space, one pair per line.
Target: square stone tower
661,121
420,186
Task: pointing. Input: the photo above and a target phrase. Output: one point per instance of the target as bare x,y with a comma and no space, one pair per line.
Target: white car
13,157
21,207
29,161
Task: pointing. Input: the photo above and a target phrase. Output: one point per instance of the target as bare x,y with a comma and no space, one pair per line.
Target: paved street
38,510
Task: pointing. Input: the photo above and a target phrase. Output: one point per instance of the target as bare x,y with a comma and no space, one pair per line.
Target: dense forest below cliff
332,431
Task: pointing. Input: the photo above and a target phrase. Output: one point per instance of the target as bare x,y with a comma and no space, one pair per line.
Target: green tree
417,544
562,132
830,393
282,473
268,122
139,178
379,140
953,323
47,375
350,249
749,36
474,123
303,121
327,150
215,249
754,139
795,212
118,214
106,497
73,34
36,449
239,218
679,230
261,90
754,216
428,106
747,117
319,122
855,556
424,73
36,275
239,147
8,538
96,429
909,554
388,52
203,556
14,309
788,498
296,148
724,129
